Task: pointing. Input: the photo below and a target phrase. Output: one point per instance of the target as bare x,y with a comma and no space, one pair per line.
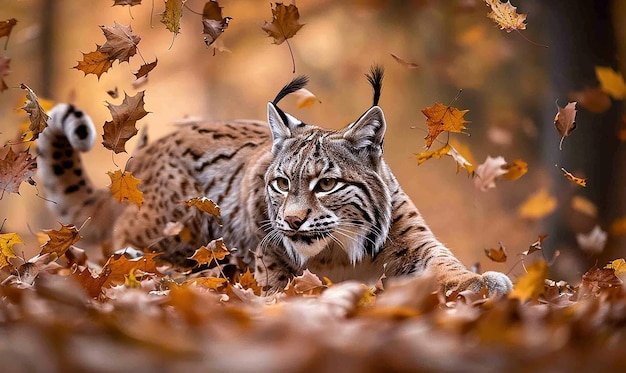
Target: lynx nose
294,222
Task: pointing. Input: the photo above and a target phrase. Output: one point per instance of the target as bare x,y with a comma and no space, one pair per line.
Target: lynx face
323,187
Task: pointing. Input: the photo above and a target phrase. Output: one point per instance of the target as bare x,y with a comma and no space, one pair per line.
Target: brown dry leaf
95,62
204,204
531,285
305,98
5,29
403,62
584,206
145,69
208,282
213,24
592,99
7,240
565,121
537,205
618,265
497,255
4,71
488,172
505,15
284,22
447,149
124,187
126,2
247,281
122,127
120,266
592,242
90,282
535,246
60,240
442,118
172,15
215,250
516,169
576,180
601,278
611,82
16,168
121,43
306,284
36,114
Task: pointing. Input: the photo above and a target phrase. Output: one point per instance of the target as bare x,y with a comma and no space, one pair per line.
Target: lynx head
324,188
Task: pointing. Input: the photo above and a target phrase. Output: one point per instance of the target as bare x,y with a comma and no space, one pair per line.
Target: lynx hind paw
497,283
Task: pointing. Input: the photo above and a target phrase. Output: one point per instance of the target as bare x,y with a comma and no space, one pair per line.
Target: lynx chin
293,196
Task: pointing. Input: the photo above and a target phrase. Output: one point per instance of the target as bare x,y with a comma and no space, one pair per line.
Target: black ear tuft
375,77
294,85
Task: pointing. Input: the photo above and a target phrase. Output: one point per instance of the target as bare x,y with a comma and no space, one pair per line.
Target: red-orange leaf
95,62
14,169
442,118
60,240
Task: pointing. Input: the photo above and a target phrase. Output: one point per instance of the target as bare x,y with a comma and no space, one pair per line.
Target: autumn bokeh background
509,84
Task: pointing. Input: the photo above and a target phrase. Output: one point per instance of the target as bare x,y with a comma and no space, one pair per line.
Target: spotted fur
293,196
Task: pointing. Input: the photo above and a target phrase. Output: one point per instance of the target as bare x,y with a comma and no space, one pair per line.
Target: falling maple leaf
565,121
403,62
515,169
204,204
597,279
592,242
306,284
119,266
531,285
618,266
247,281
7,240
124,187
576,180
215,250
462,155
535,246
95,62
36,113
4,71
488,172
437,153
497,255
118,131
60,240
171,15
213,24
145,69
442,118
611,82
505,15
284,24
121,43
537,205
5,29
16,168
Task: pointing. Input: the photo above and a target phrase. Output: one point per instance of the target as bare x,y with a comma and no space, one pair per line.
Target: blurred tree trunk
48,18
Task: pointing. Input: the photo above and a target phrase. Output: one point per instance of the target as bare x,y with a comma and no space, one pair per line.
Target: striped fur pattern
293,196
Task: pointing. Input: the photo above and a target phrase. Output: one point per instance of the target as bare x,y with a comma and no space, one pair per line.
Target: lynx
293,196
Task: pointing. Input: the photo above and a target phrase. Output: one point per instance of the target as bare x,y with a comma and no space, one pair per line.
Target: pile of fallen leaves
59,312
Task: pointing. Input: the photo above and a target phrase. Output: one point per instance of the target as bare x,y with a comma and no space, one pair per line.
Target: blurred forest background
509,84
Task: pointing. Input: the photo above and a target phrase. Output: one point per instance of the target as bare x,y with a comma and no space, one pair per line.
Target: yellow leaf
576,180
585,206
505,15
215,250
172,15
516,169
247,281
443,118
124,187
304,98
60,240
205,205
531,285
611,82
538,205
7,240
438,153
618,265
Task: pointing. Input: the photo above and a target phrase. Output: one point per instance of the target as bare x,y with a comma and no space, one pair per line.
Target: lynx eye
282,184
326,185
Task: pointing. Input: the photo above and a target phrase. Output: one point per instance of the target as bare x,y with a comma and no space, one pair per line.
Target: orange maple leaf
505,15
215,250
497,255
60,240
95,62
122,127
247,281
204,204
516,169
124,187
442,118
531,285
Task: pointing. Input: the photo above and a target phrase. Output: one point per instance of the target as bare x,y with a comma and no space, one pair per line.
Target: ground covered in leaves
59,312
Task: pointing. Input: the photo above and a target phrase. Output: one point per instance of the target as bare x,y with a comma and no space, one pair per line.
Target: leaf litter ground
66,315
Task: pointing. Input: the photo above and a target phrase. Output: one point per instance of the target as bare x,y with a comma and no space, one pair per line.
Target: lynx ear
368,132
281,125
